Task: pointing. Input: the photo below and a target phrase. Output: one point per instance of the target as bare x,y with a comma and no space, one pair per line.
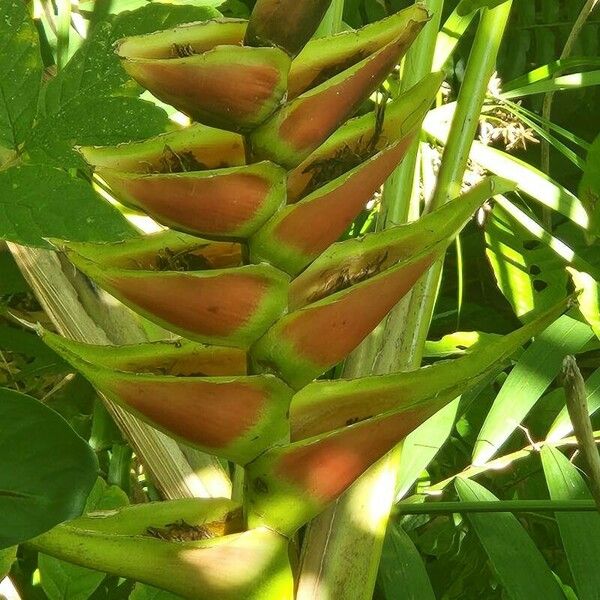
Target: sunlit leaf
589,186
518,563
402,568
580,531
528,273
531,376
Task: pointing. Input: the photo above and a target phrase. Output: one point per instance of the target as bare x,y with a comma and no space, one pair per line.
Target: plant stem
502,462
342,547
494,506
577,406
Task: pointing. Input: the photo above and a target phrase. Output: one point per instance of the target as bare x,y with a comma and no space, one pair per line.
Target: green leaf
528,272
573,81
518,563
147,592
589,186
420,447
46,470
449,36
20,72
65,581
466,7
39,201
579,531
544,72
529,180
401,567
7,558
45,360
11,279
93,122
94,71
534,372
589,298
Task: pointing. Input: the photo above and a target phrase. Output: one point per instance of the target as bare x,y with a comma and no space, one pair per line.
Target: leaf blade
519,564
580,531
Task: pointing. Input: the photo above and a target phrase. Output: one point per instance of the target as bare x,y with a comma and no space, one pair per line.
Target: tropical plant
292,135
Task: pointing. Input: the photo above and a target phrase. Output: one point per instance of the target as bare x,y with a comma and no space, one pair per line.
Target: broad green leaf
39,201
93,122
20,72
7,558
519,564
528,272
94,71
589,186
46,470
11,279
579,531
65,581
562,424
402,568
533,373
575,254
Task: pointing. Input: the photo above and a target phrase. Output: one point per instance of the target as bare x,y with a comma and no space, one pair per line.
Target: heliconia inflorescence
251,274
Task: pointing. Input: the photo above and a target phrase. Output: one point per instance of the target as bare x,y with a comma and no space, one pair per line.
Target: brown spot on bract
325,334
316,116
313,226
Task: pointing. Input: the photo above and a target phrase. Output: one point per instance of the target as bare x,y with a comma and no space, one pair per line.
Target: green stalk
502,462
399,190
577,406
495,506
342,547
480,68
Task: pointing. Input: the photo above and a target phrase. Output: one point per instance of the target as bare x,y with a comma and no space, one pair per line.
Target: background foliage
507,266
